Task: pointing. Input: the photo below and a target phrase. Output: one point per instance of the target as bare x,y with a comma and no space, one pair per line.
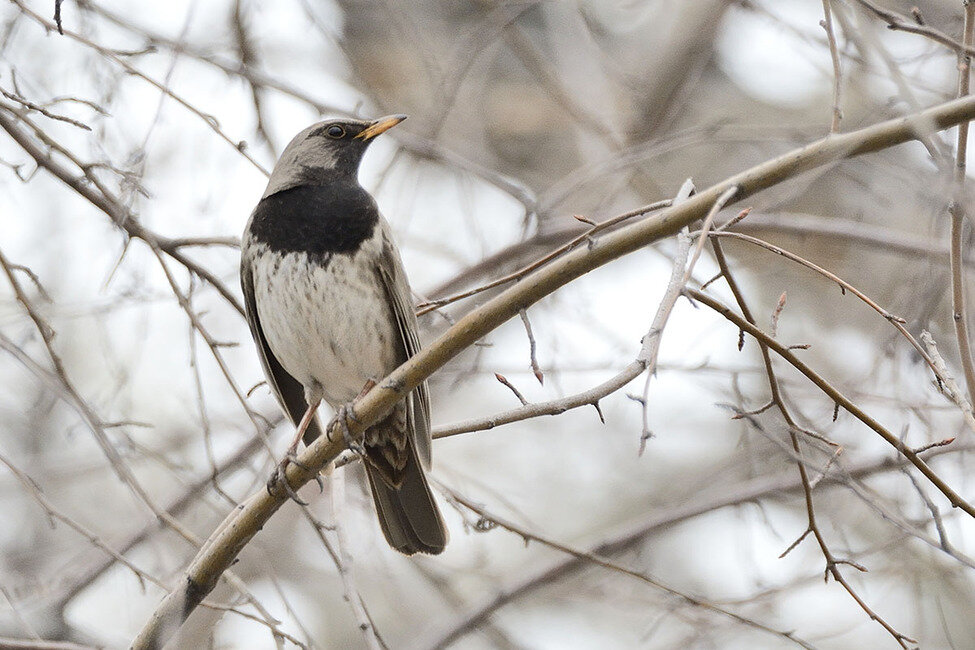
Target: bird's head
326,151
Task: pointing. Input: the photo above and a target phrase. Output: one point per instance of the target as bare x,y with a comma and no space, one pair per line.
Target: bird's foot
279,477
344,414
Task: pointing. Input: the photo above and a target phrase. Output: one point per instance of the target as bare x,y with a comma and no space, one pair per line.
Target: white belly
332,327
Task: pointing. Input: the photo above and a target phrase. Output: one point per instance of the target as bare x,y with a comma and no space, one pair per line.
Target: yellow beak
381,125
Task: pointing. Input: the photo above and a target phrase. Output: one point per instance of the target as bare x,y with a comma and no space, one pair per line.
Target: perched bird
331,311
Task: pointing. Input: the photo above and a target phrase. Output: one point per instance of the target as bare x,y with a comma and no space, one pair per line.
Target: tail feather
408,515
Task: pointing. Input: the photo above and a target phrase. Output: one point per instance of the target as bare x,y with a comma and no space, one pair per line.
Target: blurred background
132,417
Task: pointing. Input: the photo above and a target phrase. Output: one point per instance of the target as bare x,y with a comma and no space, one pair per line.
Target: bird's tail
408,514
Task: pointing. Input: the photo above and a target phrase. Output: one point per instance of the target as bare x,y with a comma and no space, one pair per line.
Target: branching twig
896,321
591,558
896,21
637,532
113,56
522,272
835,395
812,527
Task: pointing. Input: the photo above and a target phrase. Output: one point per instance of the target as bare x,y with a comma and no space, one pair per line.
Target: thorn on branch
599,411
836,410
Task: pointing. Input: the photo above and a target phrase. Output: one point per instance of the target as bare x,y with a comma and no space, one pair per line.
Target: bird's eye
335,131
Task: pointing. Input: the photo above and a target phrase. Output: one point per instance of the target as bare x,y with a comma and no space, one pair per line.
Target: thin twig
948,382
111,55
504,380
958,210
827,24
835,395
532,347
812,526
896,321
525,270
702,239
899,22
26,103
591,558
635,533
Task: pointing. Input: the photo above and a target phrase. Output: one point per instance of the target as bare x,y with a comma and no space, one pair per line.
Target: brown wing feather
288,390
393,278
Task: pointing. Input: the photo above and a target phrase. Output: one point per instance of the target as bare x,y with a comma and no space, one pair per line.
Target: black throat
320,220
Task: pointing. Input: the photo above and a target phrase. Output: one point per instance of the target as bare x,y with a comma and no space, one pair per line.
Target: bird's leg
347,411
279,476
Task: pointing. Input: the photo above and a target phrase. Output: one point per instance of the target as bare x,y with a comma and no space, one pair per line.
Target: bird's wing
393,278
288,390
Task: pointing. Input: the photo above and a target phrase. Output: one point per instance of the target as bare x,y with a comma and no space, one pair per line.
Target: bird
331,312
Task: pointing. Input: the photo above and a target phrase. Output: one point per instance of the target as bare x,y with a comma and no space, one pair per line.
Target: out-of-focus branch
74,398
788,223
419,145
777,400
10,643
592,559
900,22
958,209
634,533
111,55
645,361
88,186
783,351
827,24
595,228
896,321
77,583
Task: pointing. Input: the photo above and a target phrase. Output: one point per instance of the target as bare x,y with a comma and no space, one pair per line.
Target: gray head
324,150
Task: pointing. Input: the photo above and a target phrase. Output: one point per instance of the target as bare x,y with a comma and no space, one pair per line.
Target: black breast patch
319,220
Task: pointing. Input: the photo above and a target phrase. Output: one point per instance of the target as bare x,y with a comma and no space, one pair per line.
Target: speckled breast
326,320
